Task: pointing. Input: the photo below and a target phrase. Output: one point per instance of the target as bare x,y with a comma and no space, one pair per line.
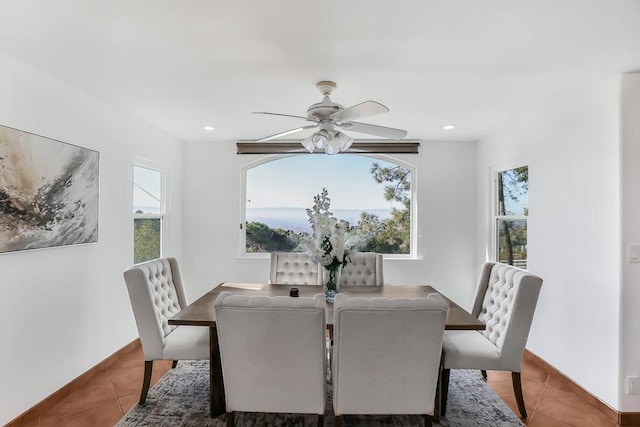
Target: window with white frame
511,207
148,213
374,195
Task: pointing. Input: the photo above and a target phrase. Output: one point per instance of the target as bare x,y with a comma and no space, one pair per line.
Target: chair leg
484,374
146,381
320,420
174,364
338,422
517,389
230,419
428,421
445,391
438,403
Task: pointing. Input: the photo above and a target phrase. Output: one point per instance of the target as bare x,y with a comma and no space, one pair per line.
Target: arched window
373,194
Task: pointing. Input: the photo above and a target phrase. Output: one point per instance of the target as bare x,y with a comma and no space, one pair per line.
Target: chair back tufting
156,294
364,269
506,300
294,268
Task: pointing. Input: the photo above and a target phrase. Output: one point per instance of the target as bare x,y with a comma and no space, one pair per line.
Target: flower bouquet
329,244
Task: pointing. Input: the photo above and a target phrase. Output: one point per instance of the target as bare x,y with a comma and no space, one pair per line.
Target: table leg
217,404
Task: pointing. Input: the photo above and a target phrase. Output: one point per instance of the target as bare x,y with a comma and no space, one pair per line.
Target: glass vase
331,282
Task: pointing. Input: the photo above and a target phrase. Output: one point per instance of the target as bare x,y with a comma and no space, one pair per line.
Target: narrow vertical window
512,211
148,213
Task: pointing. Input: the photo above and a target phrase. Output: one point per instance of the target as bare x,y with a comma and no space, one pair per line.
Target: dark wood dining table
201,313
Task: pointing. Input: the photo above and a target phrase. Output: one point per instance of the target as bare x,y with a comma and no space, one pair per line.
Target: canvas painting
48,192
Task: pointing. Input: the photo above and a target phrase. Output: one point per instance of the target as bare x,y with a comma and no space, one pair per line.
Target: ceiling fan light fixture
333,147
344,141
321,138
308,144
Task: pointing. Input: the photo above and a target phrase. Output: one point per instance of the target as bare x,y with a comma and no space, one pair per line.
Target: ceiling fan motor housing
322,110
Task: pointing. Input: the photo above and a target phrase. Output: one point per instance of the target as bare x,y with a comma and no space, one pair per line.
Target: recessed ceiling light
449,127
208,128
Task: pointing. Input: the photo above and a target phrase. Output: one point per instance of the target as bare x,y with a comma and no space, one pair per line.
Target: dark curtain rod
294,147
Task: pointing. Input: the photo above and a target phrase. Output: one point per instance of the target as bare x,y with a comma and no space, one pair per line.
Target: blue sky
293,181
147,189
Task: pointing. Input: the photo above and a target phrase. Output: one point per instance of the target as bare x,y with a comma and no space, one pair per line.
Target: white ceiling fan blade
367,128
278,114
358,111
287,132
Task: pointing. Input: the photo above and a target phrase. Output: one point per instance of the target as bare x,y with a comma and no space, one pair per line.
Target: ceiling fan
329,117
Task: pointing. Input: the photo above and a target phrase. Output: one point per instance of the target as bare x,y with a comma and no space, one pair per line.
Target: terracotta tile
558,401
131,359
533,383
597,420
500,382
532,372
127,378
569,418
104,414
95,392
542,420
129,401
30,419
163,365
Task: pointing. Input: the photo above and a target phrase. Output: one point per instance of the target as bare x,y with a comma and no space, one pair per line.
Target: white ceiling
182,64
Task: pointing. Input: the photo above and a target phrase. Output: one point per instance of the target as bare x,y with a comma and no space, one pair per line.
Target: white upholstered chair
156,294
294,268
363,269
505,300
387,355
273,353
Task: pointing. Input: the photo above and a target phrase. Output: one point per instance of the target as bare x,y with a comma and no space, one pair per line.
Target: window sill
387,258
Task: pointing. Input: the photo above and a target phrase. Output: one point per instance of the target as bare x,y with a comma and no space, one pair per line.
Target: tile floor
103,401
549,402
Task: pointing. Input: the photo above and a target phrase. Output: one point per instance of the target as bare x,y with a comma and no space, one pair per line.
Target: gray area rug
181,398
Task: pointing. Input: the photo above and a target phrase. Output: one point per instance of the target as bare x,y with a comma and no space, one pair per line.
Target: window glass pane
512,242
513,188
146,239
147,190
372,195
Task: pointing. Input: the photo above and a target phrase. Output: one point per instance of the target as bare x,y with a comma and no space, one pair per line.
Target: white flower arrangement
330,242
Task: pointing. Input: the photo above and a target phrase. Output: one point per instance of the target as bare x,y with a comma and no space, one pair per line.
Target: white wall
65,309
630,298
572,148
446,220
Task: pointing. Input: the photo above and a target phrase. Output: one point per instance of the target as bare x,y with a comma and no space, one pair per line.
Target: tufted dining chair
272,351
505,300
294,268
363,269
156,294
387,355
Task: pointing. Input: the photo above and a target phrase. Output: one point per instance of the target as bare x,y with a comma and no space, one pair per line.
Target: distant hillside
296,219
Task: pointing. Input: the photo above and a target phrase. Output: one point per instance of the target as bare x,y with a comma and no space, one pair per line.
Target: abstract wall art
48,192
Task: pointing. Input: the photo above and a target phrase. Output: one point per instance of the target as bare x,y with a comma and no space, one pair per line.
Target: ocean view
296,219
